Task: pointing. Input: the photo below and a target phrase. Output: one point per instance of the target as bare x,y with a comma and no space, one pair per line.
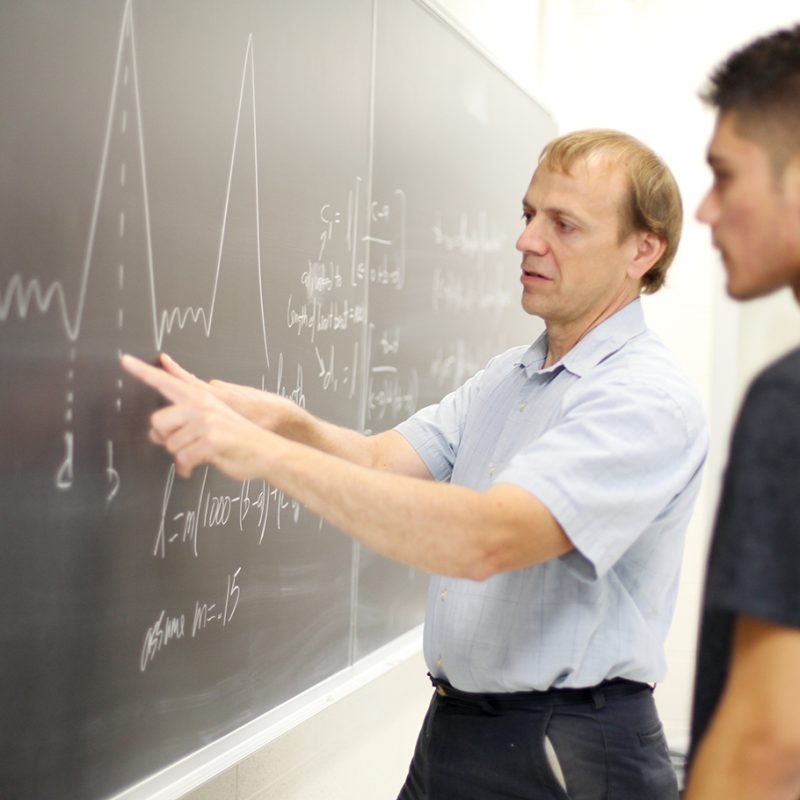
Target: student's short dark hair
760,85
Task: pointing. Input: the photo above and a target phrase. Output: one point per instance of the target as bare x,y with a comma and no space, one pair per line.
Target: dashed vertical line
70,395
123,177
65,472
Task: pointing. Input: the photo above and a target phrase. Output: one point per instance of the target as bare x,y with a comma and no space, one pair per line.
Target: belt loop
598,698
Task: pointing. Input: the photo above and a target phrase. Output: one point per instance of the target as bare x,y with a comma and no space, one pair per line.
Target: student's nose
708,210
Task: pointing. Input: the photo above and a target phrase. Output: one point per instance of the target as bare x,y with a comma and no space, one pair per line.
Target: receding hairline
615,170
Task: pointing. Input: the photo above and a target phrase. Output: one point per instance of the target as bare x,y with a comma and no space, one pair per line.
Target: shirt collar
598,344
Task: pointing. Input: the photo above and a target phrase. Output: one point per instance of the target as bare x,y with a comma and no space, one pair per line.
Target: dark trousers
603,743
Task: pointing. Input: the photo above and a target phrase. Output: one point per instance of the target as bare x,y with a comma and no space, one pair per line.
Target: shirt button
443,596
523,405
440,662
492,469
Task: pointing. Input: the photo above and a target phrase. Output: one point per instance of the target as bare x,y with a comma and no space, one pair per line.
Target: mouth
533,275
721,250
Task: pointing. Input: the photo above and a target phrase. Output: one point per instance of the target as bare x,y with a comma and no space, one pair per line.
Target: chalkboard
320,199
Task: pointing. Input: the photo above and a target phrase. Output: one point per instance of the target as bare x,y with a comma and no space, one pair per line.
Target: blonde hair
653,202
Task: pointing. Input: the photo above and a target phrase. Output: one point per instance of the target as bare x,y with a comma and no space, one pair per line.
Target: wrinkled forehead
592,194
594,174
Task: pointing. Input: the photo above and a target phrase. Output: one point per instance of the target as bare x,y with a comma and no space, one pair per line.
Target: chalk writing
390,394
170,628
330,378
487,290
249,508
316,317
297,393
388,235
319,278
159,635
112,476
21,293
206,614
470,238
453,363
65,473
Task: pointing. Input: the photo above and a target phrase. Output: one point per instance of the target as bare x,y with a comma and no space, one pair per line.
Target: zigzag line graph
25,294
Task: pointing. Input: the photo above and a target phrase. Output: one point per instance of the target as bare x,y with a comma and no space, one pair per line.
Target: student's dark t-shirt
754,561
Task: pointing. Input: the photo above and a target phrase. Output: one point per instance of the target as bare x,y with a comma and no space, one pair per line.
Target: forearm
735,766
376,495
280,415
433,526
303,427
752,746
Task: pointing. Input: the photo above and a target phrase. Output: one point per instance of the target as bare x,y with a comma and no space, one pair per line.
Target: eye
527,216
722,177
564,226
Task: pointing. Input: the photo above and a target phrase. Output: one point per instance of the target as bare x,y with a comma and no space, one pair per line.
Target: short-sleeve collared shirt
611,440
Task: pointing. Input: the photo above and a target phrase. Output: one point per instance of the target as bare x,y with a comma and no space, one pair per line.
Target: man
746,717
548,496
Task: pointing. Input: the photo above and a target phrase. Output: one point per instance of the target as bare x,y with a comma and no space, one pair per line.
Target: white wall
637,66
634,65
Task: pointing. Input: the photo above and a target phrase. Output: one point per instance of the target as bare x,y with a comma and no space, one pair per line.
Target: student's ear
791,182
648,249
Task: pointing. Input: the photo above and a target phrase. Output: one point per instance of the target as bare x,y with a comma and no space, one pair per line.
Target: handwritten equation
320,342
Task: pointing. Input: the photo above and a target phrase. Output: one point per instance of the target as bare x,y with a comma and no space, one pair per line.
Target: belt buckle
440,690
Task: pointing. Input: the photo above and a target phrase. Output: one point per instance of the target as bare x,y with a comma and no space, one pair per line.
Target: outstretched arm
752,746
386,451
435,527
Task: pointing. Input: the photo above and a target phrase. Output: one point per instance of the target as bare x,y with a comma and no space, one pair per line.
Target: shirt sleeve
754,562
615,460
435,431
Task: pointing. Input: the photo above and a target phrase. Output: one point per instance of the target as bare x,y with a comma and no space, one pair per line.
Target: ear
790,186
648,248
791,182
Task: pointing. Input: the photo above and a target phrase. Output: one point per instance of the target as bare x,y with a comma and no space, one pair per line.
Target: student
548,496
746,716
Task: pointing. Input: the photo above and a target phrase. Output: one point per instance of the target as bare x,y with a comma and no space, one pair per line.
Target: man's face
574,268
754,215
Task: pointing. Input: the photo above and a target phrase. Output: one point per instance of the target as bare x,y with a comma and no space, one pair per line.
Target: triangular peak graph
24,296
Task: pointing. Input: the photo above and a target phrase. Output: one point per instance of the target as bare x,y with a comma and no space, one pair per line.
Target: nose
531,239
708,210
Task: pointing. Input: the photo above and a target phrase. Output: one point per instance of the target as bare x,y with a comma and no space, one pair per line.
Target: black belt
507,701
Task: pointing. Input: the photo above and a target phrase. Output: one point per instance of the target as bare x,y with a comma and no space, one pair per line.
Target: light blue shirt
612,440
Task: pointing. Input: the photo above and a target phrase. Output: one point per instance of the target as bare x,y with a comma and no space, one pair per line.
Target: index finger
174,389
171,366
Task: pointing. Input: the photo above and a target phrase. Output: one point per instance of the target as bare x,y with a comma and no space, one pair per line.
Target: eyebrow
555,211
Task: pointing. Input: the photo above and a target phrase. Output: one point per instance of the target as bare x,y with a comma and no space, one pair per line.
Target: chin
530,307
744,292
